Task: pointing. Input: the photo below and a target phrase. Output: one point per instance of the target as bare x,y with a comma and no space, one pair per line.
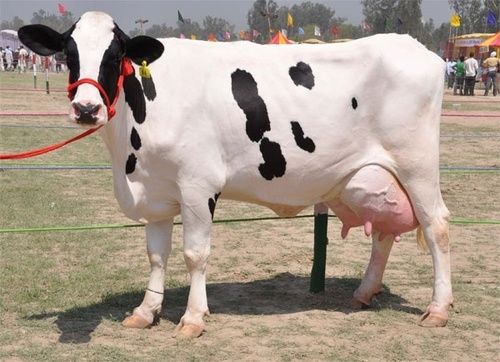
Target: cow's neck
130,112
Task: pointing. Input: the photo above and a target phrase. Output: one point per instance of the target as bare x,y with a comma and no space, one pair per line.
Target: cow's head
95,48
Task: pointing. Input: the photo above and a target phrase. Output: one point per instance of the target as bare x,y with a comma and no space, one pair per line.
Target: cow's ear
142,48
41,39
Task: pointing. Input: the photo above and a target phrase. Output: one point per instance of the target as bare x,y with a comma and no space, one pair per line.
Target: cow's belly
374,198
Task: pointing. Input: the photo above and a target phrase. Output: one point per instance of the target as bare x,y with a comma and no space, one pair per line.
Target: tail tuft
422,244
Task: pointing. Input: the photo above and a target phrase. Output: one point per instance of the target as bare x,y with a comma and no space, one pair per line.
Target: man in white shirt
9,58
22,59
450,72
471,67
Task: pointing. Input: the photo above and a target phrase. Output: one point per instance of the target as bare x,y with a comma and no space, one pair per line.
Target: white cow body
352,125
196,115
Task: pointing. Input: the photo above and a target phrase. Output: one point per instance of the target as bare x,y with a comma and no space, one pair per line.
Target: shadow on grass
284,293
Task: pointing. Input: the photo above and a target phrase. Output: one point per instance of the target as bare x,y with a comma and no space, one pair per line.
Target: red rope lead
41,151
126,70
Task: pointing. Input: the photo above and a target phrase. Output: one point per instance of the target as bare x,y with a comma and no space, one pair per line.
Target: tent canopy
279,38
494,41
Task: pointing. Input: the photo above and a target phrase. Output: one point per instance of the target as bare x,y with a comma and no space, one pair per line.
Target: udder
373,197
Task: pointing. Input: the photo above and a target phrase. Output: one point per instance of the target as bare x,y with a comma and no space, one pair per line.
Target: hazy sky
165,11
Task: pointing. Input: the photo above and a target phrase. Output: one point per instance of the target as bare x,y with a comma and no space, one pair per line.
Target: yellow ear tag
144,70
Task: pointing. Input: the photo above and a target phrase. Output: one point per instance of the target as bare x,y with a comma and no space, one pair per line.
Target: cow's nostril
86,113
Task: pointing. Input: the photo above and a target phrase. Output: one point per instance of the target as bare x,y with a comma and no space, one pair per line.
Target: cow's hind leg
159,241
196,222
433,215
372,280
437,237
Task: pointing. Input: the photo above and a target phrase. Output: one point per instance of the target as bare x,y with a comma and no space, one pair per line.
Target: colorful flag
365,26
227,35
289,20
455,20
255,33
182,36
219,36
491,18
301,31
334,30
317,31
193,37
61,8
284,32
211,37
179,17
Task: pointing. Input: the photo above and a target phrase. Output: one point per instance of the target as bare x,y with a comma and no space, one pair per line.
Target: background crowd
462,74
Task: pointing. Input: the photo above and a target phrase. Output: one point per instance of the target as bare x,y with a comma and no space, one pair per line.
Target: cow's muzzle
86,113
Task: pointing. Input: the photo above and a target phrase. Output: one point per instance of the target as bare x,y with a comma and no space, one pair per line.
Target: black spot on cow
72,60
354,103
274,162
246,94
109,69
135,139
305,143
130,166
212,202
301,74
149,88
135,97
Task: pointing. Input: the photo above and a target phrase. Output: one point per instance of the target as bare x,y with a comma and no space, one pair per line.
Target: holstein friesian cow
354,126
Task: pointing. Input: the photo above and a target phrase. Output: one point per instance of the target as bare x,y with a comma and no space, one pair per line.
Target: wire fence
219,221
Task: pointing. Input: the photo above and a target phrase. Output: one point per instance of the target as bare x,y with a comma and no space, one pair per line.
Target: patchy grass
64,294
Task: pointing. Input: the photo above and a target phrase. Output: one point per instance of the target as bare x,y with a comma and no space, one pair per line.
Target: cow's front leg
159,241
372,280
196,222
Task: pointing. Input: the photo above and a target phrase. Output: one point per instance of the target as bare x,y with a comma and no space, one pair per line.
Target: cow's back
371,101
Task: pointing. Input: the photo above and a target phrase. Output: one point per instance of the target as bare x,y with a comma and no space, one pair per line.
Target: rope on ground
37,114
220,221
31,90
465,115
44,167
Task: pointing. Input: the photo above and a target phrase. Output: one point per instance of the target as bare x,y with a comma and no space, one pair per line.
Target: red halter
126,69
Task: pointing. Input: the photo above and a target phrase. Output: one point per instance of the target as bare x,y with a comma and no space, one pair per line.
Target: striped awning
494,41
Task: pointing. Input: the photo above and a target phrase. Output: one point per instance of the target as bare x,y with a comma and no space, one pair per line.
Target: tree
471,14
159,31
380,15
409,17
60,23
309,13
216,25
262,16
440,37
13,24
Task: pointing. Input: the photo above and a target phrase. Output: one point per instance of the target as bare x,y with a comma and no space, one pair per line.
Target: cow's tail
422,244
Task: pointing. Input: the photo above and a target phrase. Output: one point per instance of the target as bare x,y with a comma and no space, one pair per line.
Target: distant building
9,37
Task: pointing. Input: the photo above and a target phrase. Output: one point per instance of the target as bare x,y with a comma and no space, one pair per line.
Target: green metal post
317,283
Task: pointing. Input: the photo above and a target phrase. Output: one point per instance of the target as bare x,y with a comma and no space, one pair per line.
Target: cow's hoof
188,331
136,321
433,317
358,304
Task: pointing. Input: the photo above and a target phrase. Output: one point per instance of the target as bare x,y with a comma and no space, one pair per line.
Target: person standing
22,59
9,58
471,67
450,71
491,66
459,76
2,55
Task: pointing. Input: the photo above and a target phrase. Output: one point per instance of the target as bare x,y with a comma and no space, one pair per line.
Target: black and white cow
354,126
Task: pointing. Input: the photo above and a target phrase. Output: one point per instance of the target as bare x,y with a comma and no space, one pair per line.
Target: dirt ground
63,295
